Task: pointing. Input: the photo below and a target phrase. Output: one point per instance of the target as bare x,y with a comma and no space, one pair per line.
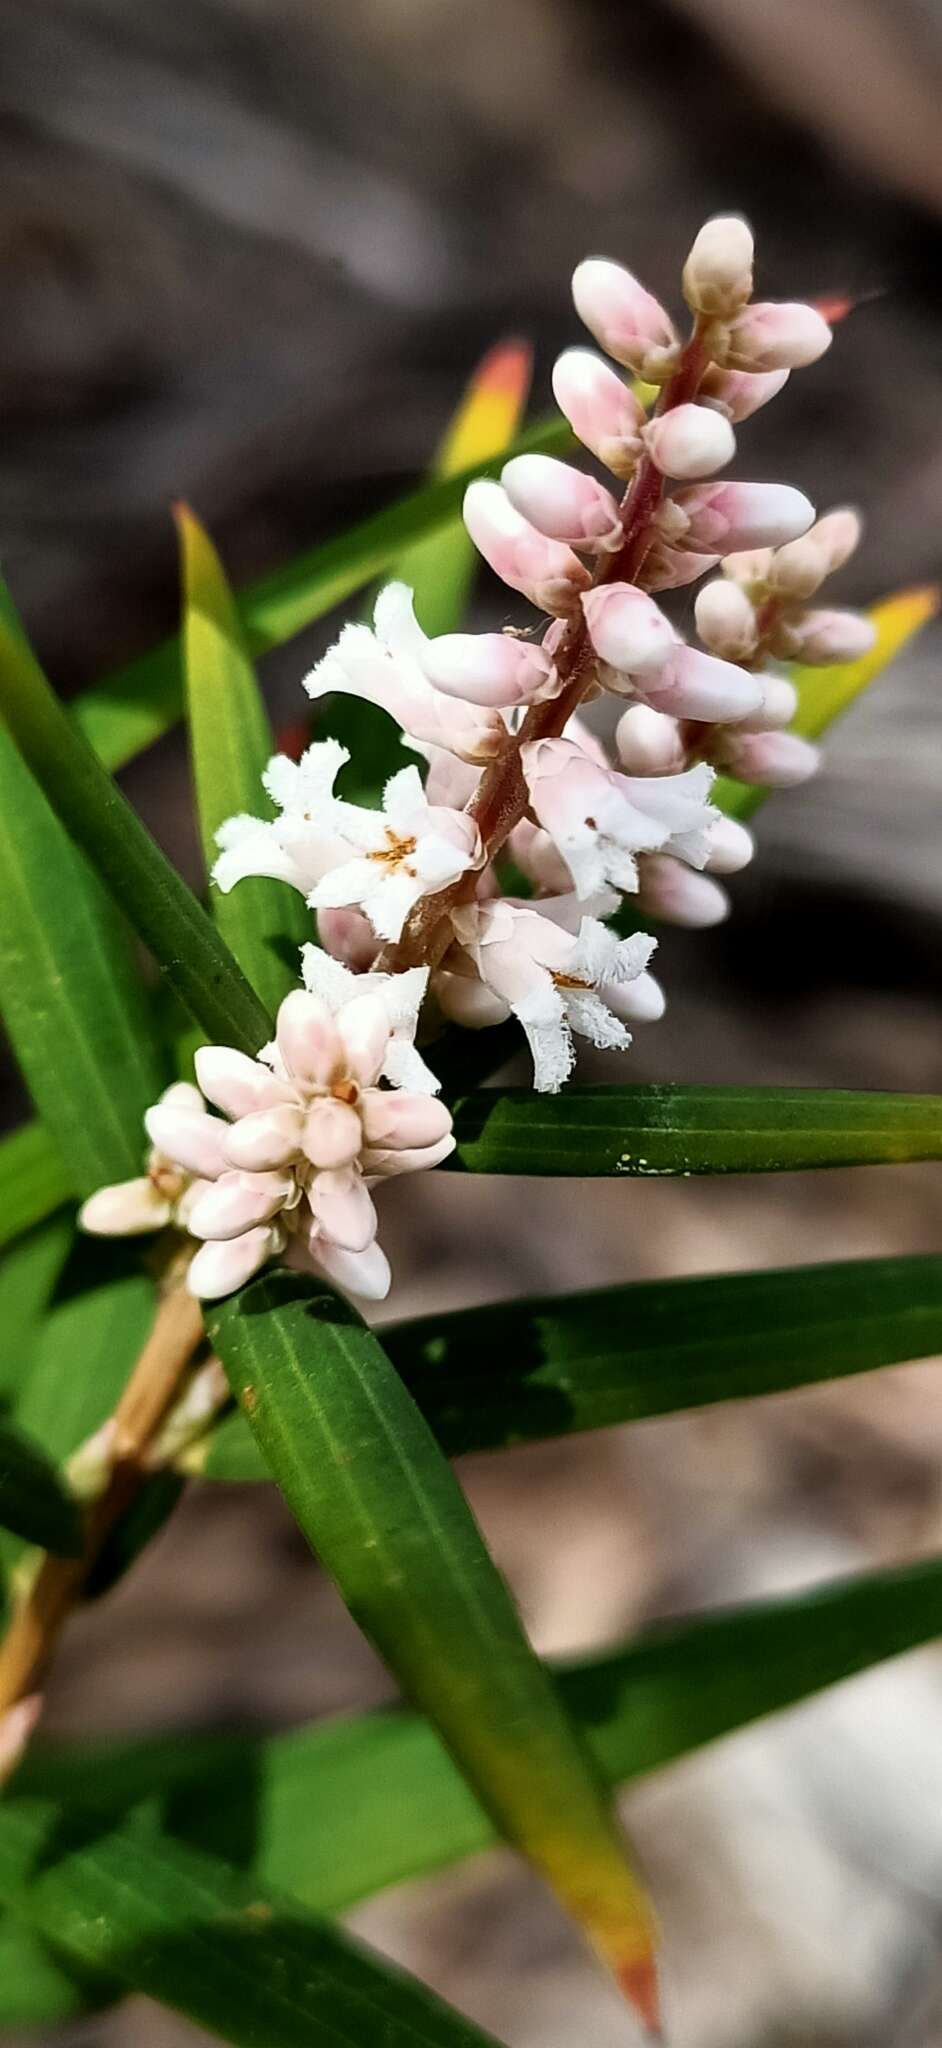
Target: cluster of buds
408,897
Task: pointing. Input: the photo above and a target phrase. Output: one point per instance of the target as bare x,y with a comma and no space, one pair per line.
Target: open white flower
555,982
401,995
384,665
300,845
599,820
409,849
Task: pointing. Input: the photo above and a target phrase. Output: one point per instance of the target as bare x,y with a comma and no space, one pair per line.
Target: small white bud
563,503
775,760
772,337
648,742
689,441
731,847
625,319
822,637
726,619
675,892
626,628
717,277
728,517
600,408
778,707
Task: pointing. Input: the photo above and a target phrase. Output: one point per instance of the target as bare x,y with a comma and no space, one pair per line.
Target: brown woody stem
34,1628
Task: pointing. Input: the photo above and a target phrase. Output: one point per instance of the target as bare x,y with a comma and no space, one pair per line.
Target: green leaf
824,694
258,1970
34,1180
34,1503
155,899
311,1812
27,1273
72,1002
100,1314
521,1371
131,708
263,922
671,1130
36,1989
373,1495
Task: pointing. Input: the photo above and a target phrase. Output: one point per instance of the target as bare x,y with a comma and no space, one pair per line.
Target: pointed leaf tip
638,1983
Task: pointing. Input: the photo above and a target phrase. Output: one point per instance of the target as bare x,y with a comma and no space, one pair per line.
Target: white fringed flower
401,995
599,820
553,982
385,666
409,849
300,845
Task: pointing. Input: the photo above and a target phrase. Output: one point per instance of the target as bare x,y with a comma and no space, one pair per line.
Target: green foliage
219,1947
263,923
520,1371
368,1486
34,1503
646,1132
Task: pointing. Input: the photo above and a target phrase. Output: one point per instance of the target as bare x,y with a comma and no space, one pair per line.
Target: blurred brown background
251,250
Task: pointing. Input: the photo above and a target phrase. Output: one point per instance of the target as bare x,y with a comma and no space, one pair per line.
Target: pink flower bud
222,1266
669,569
726,619
717,277
778,707
265,1139
838,532
673,891
736,393
546,572
348,936
728,517
238,1202
600,408
752,567
626,628
731,847
641,1001
799,569
824,636
696,685
777,760
773,337
690,440
489,668
562,502
648,742
625,319
190,1138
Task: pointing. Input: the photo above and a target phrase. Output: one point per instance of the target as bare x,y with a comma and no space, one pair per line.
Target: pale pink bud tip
690,441
16,1727
731,847
648,742
775,760
774,337
717,277
673,891
600,408
738,394
488,668
546,571
697,685
626,628
825,636
628,322
725,518
562,502
219,1268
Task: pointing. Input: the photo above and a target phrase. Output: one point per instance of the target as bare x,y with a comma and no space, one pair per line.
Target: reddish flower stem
501,798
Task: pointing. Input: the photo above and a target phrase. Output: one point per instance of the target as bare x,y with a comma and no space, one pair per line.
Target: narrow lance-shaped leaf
34,1180
262,922
679,1685
34,1504
522,1371
142,881
683,1131
130,709
71,1000
826,693
208,1941
374,1497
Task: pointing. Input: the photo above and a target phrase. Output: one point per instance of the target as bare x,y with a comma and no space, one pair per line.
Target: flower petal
266,1140
364,1273
364,1031
307,1038
126,1209
194,1141
239,1201
237,1084
219,1268
403,1120
343,1209
333,1133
